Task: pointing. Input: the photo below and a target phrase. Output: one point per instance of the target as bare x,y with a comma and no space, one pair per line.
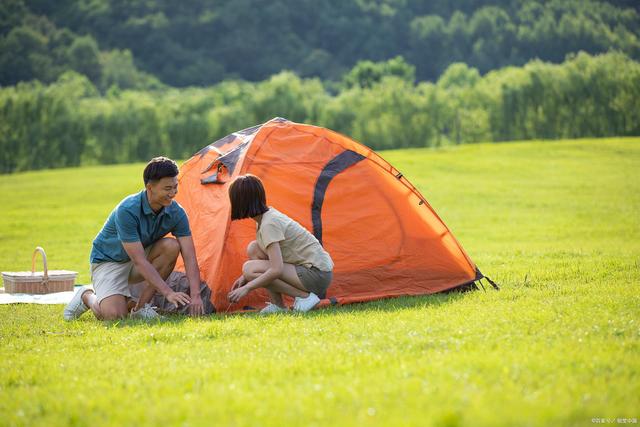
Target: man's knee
254,251
168,247
113,308
113,314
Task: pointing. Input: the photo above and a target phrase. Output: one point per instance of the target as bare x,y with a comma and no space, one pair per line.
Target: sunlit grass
557,224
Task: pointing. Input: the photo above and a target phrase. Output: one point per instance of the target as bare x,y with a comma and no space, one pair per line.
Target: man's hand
178,298
237,294
188,251
196,308
240,282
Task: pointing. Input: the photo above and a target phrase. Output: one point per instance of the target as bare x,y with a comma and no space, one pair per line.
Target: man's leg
110,308
108,300
163,256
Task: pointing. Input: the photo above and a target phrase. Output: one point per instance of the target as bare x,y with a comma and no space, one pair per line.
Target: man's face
163,191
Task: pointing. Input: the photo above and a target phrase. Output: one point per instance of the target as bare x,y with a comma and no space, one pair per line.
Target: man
131,248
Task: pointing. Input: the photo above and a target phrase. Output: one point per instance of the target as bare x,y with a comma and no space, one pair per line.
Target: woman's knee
254,251
247,269
250,270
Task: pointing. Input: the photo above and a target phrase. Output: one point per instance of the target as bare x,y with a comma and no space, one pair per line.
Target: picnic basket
32,282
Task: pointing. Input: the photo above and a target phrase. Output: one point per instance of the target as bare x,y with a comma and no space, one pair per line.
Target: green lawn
557,224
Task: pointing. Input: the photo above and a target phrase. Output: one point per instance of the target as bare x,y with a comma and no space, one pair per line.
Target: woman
284,259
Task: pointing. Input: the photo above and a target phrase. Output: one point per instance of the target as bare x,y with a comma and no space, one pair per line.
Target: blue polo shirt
133,220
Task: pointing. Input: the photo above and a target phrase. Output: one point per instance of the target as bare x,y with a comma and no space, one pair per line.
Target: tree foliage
197,43
69,122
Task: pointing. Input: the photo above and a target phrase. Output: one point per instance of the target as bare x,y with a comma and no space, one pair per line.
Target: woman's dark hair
247,197
158,168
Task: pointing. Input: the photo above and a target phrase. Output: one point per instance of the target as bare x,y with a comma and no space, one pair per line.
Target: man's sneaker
271,309
146,313
306,304
76,307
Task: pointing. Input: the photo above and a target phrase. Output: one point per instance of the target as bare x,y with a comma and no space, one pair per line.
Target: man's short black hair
158,168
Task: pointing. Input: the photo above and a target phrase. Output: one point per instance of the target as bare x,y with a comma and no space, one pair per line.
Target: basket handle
44,260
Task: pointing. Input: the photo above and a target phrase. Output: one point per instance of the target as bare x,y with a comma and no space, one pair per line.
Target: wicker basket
33,282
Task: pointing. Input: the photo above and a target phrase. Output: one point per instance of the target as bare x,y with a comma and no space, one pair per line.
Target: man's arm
188,251
151,275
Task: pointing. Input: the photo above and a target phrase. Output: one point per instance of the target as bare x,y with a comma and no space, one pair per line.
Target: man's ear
148,185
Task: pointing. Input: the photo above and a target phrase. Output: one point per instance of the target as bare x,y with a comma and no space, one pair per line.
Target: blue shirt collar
146,207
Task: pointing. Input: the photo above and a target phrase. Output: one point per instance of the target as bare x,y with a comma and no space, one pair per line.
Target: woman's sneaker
271,309
306,304
76,307
146,313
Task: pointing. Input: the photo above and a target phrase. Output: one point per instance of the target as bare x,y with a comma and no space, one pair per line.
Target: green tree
366,74
429,42
23,56
119,69
12,14
84,57
285,95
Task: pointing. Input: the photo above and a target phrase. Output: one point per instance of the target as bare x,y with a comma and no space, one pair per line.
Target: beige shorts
112,278
314,280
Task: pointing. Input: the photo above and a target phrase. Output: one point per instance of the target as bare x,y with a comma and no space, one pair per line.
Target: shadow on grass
384,305
393,304
165,320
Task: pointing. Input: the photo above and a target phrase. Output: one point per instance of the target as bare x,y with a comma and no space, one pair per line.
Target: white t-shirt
298,246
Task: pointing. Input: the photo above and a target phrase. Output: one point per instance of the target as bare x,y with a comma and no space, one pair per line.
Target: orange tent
383,236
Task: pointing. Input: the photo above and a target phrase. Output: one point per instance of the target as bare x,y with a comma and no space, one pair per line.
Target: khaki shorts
112,278
314,280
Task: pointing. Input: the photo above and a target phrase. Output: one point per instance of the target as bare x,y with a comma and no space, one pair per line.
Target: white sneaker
146,313
271,309
76,307
306,304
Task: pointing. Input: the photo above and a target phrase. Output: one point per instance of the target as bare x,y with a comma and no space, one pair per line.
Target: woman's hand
240,282
237,294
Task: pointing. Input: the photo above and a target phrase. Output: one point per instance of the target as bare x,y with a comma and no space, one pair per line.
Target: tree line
146,44
70,123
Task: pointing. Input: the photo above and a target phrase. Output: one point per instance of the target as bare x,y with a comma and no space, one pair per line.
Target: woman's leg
288,283
255,253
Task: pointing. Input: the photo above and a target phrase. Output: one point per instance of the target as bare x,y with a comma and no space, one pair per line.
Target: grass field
557,224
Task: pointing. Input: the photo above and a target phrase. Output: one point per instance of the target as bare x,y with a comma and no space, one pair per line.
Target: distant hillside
145,44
